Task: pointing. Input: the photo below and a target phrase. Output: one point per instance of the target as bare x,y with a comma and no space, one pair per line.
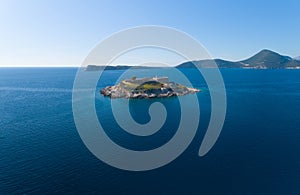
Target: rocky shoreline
148,89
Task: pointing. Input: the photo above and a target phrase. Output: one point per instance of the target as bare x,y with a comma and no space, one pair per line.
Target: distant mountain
119,67
265,59
210,64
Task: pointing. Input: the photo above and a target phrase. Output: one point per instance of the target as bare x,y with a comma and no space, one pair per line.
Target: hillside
265,59
268,59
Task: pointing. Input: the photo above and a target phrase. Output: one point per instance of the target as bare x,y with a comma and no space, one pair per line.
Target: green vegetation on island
146,88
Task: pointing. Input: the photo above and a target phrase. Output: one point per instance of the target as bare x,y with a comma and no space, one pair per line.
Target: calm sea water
257,152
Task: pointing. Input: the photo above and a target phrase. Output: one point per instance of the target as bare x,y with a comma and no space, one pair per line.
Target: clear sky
62,32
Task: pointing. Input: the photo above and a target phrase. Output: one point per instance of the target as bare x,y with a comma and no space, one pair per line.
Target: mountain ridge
265,59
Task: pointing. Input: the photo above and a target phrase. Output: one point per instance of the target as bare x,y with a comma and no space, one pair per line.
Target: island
147,88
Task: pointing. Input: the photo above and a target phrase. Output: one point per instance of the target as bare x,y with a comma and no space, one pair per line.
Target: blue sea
258,150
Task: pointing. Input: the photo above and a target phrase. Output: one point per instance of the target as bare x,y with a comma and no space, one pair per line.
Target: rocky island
146,88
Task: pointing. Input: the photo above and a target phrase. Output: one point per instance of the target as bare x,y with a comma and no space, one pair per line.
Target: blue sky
62,32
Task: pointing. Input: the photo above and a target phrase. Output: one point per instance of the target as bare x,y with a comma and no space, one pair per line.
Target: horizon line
78,66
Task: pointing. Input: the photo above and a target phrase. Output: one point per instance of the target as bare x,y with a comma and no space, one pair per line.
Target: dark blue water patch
139,112
256,153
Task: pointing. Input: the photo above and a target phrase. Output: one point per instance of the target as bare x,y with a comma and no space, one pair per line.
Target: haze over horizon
54,33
